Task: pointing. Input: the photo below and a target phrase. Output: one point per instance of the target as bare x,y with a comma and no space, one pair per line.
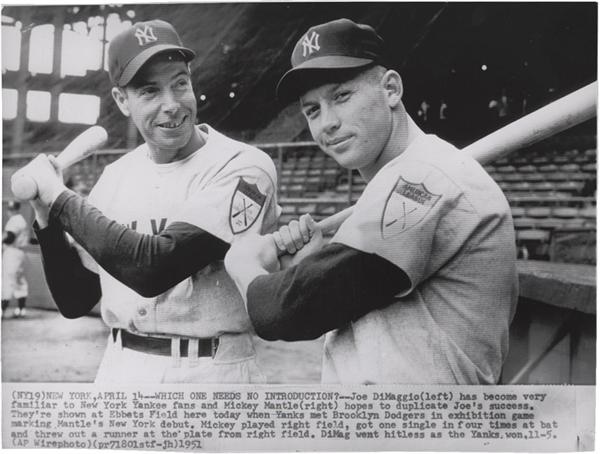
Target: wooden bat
24,186
564,113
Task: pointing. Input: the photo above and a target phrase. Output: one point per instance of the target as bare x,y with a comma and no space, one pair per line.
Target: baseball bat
564,113
24,186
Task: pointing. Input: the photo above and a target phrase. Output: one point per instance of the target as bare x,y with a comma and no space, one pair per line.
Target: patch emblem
406,206
246,204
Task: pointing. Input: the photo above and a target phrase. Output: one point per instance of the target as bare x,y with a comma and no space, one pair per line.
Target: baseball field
43,346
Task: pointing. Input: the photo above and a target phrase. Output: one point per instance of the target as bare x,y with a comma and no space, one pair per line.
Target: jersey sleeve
234,203
325,291
414,216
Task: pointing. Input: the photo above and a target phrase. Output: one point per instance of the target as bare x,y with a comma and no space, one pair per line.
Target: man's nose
170,102
330,121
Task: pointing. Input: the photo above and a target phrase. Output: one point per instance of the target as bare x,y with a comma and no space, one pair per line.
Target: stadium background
468,69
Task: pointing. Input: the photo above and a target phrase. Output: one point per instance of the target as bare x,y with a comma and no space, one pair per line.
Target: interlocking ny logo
310,45
145,36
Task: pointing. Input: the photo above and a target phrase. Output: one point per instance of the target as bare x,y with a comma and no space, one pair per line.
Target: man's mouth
172,124
337,141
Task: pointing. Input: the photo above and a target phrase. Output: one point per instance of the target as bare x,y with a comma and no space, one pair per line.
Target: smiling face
352,121
161,103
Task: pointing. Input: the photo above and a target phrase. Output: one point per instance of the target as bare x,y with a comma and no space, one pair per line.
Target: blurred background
467,68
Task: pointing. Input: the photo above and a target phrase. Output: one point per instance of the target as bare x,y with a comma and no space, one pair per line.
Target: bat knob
23,187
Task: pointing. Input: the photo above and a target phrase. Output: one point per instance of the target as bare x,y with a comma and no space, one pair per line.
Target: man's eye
311,112
342,96
182,83
147,91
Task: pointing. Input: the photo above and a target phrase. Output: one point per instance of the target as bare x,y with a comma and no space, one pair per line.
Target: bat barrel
568,111
564,113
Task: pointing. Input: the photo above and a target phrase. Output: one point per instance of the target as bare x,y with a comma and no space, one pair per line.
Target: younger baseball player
157,226
15,238
419,283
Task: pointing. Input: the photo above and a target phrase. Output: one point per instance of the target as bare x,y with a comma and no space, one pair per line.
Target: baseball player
419,284
153,233
15,238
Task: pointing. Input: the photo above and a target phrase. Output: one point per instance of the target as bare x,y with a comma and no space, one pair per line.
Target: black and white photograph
299,226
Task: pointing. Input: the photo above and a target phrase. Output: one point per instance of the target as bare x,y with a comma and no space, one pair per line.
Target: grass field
43,346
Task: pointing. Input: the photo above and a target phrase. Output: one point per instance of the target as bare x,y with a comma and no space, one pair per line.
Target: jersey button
142,312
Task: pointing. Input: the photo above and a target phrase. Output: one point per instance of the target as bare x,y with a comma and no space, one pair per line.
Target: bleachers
549,191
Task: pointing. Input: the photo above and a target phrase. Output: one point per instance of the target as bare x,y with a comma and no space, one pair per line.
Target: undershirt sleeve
148,264
325,291
74,288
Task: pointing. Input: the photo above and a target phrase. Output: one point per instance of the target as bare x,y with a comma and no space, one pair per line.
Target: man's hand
47,173
298,240
250,256
48,177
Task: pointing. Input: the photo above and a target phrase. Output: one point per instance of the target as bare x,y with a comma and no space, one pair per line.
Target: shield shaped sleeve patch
406,206
246,204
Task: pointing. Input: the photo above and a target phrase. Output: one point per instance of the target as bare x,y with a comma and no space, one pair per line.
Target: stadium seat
527,168
591,167
546,168
571,167
549,223
287,208
520,186
517,212
512,177
582,159
574,223
560,159
540,160
565,212
524,223
579,176
506,169
533,235
557,176
542,186
571,186
533,177
588,212
539,212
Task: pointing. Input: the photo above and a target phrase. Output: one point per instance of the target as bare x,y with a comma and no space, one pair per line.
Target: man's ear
120,98
392,84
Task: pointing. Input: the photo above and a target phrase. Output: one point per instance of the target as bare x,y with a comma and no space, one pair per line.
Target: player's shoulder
437,167
245,155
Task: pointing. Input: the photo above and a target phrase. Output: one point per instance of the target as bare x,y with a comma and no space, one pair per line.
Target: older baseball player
419,284
14,239
157,225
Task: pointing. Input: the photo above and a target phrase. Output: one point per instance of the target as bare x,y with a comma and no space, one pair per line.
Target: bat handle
333,222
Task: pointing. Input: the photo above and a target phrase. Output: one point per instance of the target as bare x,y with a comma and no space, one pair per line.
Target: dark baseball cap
130,49
339,47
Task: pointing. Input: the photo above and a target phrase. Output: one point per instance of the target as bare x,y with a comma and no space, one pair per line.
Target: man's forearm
148,264
74,288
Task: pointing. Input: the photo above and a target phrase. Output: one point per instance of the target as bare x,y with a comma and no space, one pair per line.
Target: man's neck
160,156
401,137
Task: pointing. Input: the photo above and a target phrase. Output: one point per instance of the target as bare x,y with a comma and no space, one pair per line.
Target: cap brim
315,72
138,61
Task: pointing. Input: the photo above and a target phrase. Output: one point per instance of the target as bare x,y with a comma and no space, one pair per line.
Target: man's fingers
54,162
286,236
304,224
296,234
279,241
